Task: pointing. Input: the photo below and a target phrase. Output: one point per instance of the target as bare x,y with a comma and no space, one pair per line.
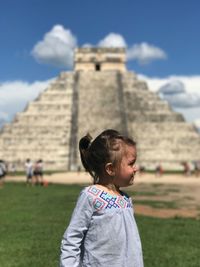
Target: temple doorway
97,67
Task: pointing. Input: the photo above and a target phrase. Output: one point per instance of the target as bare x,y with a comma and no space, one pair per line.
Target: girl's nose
135,168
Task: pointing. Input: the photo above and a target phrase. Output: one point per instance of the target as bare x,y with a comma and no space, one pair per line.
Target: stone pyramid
100,93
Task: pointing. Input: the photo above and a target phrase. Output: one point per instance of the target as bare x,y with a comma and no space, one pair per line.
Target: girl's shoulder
101,199
93,190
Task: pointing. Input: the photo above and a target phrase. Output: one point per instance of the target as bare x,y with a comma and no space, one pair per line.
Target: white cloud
172,87
182,93
190,114
4,116
56,48
174,92
87,45
191,83
183,100
15,95
144,53
113,40
197,124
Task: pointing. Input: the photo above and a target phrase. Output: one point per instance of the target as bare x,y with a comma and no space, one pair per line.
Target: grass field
33,220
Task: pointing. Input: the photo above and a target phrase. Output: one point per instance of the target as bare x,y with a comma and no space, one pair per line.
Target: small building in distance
100,59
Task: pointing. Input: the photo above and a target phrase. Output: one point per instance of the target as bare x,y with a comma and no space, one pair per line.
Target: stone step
26,151
53,91
43,117
90,86
57,148
17,129
135,85
169,140
65,103
56,97
165,133
180,157
66,75
167,136
170,126
61,82
147,105
159,116
163,146
40,129
61,88
141,96
37,153
39,124
31,140
168,154
90,78
49,107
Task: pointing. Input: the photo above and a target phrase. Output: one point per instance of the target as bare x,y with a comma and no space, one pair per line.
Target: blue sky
162,40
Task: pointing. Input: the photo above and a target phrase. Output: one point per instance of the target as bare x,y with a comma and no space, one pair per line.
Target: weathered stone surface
43,129
91,101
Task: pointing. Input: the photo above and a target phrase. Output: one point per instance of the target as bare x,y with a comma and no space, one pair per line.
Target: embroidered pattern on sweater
103,200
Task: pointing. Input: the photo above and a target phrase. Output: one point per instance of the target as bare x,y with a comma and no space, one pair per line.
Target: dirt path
82,177
167,200
164,197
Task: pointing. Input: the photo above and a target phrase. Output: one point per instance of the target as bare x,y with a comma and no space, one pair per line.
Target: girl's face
124,174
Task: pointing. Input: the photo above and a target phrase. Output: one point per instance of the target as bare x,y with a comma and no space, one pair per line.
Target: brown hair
105,148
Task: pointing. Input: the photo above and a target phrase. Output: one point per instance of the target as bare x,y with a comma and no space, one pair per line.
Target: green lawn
33,220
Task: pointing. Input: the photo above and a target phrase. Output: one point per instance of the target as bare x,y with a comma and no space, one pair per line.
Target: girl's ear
110,170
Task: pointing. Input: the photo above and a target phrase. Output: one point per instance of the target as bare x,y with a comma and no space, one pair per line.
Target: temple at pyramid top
100,59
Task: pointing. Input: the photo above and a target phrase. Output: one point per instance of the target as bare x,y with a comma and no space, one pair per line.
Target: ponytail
84,145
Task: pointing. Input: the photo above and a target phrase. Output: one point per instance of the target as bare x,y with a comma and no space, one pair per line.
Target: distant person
29,171
12,169
3,172
38,172
186,168
141,169
102,230
159,170
78,169
197,168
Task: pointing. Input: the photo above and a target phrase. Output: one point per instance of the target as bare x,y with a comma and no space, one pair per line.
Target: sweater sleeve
74,234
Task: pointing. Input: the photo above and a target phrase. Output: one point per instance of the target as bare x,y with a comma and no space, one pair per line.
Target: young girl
103,231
